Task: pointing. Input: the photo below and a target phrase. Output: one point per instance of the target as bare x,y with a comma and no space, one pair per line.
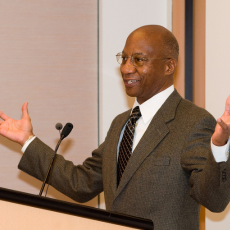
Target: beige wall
48,57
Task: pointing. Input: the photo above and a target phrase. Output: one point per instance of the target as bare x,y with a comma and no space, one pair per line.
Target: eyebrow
134,53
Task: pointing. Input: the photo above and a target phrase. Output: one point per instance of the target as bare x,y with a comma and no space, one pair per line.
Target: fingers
3,116
25,113
227,106
221,134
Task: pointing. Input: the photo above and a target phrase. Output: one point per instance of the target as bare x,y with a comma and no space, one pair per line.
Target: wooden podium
21,211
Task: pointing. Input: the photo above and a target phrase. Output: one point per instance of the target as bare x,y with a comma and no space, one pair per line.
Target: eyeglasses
137,60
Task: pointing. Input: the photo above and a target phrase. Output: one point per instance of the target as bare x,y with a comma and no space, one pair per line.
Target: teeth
131,81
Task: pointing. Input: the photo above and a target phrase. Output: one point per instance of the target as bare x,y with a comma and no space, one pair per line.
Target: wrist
26,139
219,142
27,143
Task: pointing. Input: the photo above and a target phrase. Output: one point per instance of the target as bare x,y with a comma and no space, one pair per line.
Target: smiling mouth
132,81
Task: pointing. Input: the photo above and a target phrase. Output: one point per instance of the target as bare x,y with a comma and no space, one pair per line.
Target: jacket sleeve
81,182
209,180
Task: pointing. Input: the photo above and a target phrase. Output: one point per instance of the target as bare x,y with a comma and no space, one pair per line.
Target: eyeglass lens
136,59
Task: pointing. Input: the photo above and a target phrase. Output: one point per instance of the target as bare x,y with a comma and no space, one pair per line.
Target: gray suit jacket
170,173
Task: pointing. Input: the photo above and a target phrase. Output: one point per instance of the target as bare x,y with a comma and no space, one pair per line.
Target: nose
128,67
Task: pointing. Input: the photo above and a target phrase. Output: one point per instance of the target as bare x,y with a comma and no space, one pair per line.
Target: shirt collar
150,107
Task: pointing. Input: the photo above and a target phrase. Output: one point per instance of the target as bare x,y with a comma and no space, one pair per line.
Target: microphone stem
50,166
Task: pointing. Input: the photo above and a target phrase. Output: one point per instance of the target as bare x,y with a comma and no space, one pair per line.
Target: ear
170,66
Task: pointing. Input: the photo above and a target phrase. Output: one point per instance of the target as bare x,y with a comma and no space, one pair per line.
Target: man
170,168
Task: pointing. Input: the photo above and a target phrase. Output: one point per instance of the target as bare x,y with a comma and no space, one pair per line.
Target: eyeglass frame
119,55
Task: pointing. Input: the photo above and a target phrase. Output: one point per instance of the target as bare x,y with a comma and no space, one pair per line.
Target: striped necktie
126,144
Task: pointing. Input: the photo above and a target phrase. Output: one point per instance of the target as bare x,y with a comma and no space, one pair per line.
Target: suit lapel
154,134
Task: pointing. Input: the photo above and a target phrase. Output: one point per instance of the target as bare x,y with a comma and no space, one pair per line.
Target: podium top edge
74,209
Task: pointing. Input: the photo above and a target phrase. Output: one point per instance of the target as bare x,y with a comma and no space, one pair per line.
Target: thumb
25,113
227,106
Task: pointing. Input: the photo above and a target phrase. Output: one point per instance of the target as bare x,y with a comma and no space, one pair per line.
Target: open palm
16,130
222,130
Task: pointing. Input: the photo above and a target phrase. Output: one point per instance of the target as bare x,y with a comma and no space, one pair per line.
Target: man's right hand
16,130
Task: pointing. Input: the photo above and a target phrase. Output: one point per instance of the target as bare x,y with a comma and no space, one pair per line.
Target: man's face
145,81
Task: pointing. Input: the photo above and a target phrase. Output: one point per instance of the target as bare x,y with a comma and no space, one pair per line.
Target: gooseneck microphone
65,132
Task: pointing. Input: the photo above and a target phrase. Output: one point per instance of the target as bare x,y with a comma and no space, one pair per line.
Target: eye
139,61
124,59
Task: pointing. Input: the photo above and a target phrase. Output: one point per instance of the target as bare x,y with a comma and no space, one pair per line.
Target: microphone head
66,130
58,126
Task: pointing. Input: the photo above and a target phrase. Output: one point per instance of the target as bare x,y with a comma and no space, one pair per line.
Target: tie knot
136,114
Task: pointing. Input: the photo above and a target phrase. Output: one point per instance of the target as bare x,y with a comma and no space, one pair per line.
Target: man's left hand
222,130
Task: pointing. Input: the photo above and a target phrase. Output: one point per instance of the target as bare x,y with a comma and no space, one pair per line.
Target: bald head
166,46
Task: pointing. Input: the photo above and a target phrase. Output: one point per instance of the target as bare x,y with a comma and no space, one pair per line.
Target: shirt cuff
220,153
27,143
